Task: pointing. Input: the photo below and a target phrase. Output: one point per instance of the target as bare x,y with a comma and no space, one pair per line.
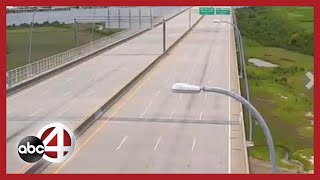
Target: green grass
286,119
285,27
283,36
46,41
301,16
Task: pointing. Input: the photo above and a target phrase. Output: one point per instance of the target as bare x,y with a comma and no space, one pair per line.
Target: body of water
261,63
69,16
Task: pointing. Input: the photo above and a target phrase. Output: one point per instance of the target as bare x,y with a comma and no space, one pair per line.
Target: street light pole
30,36
192,89
94,16
164,35
243,72
240,43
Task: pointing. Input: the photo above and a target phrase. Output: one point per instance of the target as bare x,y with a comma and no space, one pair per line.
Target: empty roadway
152,130
72,95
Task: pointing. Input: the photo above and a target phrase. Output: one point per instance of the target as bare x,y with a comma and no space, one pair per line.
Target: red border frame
3,3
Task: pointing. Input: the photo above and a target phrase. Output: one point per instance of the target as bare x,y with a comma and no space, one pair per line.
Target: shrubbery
44,24
273,29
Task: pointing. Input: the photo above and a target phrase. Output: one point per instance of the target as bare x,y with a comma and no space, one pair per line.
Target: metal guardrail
243,70
23,73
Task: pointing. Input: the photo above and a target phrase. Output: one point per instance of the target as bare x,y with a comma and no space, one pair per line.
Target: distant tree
55,24
24,25
46,23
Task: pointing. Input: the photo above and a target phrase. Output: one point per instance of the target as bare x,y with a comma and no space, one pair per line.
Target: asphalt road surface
152,130
72,95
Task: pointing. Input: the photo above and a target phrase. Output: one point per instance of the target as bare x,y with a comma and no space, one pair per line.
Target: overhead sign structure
206,11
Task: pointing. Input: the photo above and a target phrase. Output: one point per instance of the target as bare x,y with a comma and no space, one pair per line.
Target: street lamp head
217,21
185,88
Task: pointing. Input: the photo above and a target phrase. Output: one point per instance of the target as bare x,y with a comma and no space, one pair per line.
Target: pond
261,63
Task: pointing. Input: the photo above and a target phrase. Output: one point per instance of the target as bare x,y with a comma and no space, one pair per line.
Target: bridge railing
34,69
27,72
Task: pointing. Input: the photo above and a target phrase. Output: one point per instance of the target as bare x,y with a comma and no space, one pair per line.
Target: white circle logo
59,142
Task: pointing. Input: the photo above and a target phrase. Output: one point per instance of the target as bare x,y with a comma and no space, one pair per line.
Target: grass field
280,95
46,41
301,16
285,27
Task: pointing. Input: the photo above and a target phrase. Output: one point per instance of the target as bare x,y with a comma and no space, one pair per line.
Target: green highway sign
206,11
213,11
223,11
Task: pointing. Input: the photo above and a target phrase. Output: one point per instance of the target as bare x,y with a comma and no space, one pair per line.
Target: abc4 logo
31,149
54,142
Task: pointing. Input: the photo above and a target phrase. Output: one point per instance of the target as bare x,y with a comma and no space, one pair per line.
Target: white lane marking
158,93
44,82
155,147
194,143
44,93
144,112
205,97
123,140
180,98
65,110
200,117
67,93
171,115
34,113
229,126
89,93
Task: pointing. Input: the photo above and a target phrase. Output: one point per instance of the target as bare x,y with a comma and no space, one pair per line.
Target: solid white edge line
241,116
